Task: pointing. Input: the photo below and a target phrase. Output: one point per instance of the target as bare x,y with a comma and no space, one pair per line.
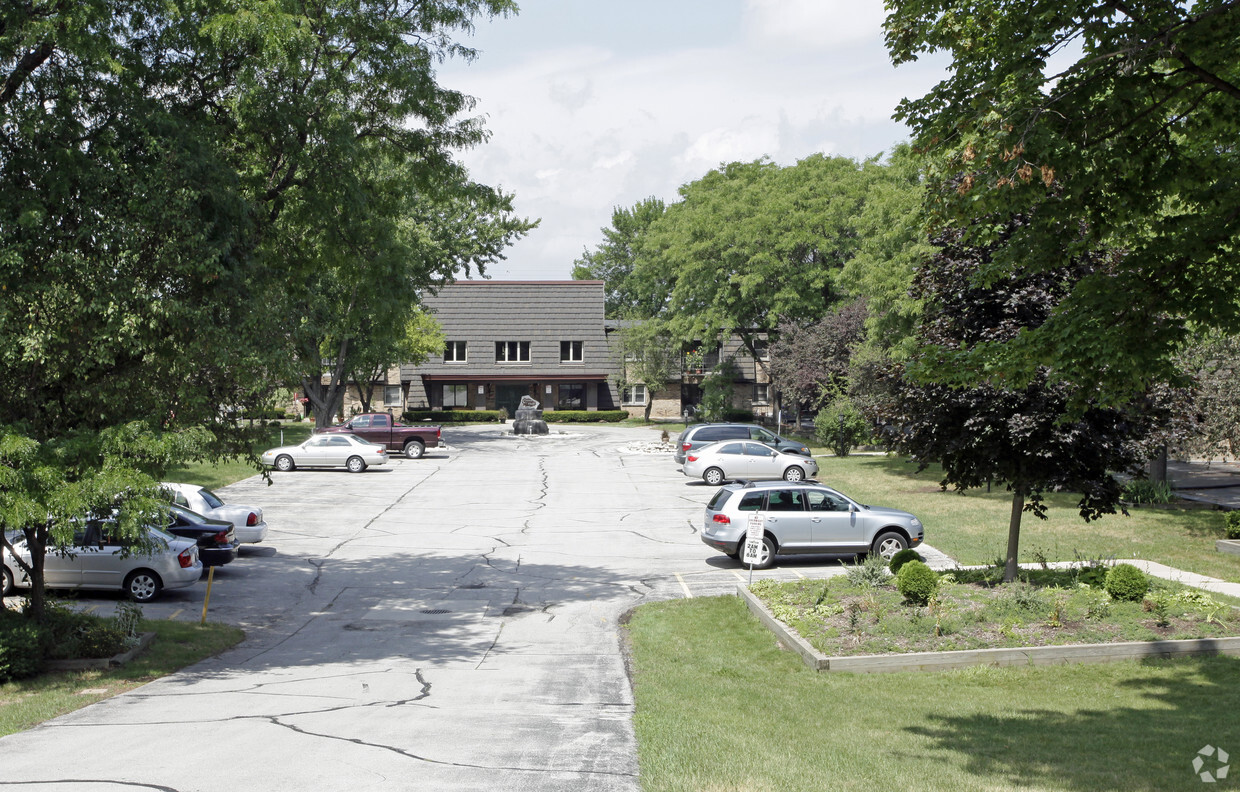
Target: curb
102,663
1016,656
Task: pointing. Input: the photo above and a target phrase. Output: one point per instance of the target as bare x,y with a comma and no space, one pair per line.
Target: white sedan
328,450
746,459
247,521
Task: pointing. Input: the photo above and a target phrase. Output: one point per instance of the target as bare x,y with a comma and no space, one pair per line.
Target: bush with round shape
21,647
1233,524
917,582
1126,583
903,557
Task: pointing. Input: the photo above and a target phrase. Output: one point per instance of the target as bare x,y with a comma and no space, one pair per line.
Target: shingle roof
543,313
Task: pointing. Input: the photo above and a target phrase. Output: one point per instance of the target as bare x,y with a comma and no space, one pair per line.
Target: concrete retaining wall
1026,655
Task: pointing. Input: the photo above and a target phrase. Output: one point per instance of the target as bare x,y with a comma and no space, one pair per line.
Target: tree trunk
649,404
1018,508
1157,468
363,395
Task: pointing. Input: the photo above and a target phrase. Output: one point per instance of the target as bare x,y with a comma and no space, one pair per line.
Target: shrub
1126,583
903,557
21,647
584,416
1142,491
1232,521
840,426
453,416
869,573
917,583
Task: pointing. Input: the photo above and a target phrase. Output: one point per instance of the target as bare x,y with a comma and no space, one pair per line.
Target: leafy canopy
1109,125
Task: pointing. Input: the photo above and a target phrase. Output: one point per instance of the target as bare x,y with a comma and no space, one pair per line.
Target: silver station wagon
805,517
100,560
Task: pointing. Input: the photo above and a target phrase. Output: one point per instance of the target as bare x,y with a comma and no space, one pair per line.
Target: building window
512,351
761,392
391,395
570,351
634,394
763,349
572,397
455,396
455,352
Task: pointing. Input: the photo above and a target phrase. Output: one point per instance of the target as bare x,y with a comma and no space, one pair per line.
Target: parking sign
753,540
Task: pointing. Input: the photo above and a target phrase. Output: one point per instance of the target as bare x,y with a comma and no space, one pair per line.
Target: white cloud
580,128
814,22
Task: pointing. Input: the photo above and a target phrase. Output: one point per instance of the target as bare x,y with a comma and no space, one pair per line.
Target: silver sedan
328,450
745,459
100,559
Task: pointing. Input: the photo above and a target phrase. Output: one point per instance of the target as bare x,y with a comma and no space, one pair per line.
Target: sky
593,106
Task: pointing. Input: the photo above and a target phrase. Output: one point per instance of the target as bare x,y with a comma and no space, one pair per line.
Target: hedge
584,416
452,416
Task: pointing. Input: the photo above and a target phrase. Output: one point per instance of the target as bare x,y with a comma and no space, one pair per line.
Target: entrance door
508,397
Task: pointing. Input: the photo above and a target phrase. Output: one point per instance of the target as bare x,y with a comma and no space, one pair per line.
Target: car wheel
143,585
414,449
355,464
889,543
794,473
284,462
713,476
7,587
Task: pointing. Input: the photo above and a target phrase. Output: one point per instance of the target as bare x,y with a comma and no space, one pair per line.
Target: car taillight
186,559
252,519
686,446
438,432
691,458
221,537
721,518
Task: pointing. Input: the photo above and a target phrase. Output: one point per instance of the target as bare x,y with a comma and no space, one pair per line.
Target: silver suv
699,435
805,517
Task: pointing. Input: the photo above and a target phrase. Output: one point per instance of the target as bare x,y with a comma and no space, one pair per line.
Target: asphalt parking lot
445,623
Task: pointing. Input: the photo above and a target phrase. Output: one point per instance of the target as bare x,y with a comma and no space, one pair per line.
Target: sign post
753,542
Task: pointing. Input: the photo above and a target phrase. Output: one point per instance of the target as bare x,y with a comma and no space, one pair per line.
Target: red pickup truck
395,436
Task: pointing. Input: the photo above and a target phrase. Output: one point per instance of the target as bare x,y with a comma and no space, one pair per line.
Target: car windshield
211,498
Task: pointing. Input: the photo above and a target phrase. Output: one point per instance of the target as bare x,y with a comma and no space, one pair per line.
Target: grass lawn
721,707
972,528
232,471
27,702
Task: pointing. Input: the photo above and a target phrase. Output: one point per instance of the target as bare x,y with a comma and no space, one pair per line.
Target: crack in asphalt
76,781
445,763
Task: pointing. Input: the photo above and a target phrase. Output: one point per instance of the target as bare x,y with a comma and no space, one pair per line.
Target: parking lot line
176,613
91,609
739,576
798,574
684,587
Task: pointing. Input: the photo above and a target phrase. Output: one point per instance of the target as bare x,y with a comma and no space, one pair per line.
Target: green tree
1129,146
173,180
1023,436
422,338
647,356
615,257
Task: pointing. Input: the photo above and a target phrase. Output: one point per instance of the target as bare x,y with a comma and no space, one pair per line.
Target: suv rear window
721,497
